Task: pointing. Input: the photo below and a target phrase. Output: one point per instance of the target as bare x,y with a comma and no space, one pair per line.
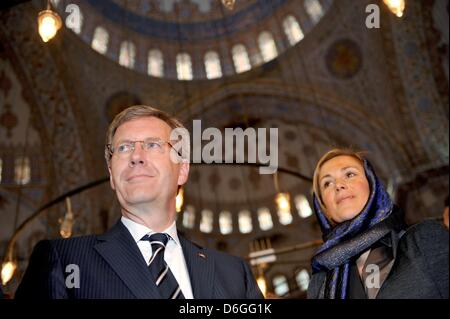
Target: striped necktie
160,271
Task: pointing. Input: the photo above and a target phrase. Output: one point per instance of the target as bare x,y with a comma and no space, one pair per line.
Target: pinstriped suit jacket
111,266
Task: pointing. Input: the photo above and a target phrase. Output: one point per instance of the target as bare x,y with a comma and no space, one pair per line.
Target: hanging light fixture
8,269
262,284
9,265
397,7
282,200
261,254
67,222
49,22
179,200
229,4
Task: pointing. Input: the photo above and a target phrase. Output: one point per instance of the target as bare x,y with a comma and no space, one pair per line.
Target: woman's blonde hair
335,152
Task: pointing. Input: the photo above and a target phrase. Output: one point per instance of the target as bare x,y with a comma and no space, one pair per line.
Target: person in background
368,252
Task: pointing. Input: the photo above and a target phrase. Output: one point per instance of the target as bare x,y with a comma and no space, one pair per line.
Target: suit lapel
201,269
121,252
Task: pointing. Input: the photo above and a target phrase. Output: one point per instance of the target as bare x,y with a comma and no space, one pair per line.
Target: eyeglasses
150,145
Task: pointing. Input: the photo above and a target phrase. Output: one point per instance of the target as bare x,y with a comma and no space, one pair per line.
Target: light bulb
67,222
66,226
179,200
397,7
283,202
49,23
8,269
262,284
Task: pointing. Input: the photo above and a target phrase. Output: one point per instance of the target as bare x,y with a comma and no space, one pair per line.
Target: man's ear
111,181
183,173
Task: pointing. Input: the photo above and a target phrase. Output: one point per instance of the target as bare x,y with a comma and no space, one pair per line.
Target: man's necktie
160,271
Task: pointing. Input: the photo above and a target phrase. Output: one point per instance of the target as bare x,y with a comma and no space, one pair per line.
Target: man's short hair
136,112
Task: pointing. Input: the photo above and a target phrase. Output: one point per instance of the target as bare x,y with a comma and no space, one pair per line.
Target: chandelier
49,22
396,6
229,4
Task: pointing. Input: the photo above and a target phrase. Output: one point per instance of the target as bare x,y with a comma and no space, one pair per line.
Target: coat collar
200,267
121,252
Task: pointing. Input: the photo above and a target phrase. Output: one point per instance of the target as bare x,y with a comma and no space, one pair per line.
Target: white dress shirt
173,254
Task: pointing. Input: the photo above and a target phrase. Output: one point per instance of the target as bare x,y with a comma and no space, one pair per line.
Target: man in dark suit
142,256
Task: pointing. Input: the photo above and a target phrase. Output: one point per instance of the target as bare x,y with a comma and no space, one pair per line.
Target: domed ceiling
186,20
253,33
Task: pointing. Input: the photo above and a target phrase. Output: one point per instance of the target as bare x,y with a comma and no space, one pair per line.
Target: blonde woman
368,252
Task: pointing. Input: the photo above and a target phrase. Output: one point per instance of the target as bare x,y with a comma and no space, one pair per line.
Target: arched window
206,223
212,65
303,208
155,63
225,223
74,19
127,54
240,58
302,279
285,217
245,222
314,10
22,170
292,30
280,285
267,46
184,67
100,40
265,218
189,217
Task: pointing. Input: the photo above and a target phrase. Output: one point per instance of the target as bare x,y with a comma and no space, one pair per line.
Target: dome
192,39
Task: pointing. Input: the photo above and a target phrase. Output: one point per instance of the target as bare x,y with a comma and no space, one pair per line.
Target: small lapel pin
202,255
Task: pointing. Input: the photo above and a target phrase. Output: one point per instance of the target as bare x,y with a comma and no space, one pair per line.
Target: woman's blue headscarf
349,239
